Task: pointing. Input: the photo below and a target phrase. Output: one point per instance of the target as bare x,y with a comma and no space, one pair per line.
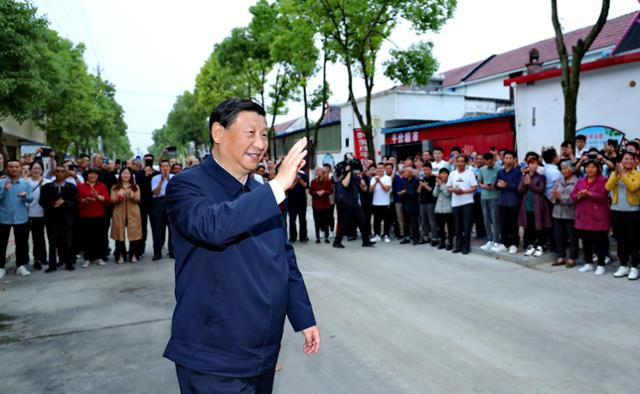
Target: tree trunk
3,148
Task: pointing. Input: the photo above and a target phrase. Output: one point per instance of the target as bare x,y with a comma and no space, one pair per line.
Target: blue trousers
194,382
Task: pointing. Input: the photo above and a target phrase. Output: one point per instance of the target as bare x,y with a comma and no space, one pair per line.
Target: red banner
360,144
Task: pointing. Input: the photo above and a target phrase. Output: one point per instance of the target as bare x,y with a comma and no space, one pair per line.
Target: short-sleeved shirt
489,176
380,197
154,183
462,180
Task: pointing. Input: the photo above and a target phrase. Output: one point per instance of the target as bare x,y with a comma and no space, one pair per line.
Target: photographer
352,212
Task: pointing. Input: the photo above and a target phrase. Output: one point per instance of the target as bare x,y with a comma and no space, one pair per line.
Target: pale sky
153,50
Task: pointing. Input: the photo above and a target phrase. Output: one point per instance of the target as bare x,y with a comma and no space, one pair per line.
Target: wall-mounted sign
597,136
360,144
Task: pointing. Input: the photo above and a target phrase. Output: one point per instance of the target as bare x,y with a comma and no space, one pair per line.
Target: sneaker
487,246
2,273
375,238
513,249
600,270
85,264
539,251
607,260
588,267
633,274
498,248
622,271
101,263
22,271
530,250
387,239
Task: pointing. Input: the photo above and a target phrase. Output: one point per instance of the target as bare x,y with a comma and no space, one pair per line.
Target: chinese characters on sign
405,138
360,144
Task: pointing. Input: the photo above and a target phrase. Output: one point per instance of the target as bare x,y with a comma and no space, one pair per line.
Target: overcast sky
152,50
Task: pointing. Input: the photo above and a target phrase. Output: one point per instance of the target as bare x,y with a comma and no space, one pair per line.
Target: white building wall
488,88
606,97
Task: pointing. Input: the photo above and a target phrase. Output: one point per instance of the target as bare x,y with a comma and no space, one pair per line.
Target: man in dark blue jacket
236,274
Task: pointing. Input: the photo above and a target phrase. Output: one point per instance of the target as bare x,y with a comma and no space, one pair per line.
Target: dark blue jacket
509,196
236,274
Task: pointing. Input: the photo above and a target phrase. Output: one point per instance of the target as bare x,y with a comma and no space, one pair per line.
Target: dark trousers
145,213
509,225
21,237
563,230
194,382
135,249
39,250
352,216
428,221
380,213
321,221
478,219
411,224
533,236
297,211
445,219
462,217
60,236
94,236
160,225
332,220
625,229
594,241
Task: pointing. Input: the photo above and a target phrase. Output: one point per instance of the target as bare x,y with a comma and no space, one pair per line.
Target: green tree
570,78
355,31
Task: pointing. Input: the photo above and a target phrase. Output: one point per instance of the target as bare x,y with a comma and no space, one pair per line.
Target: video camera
349,161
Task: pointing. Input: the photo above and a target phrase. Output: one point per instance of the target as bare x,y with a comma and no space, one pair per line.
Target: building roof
280,127
446,123
611,34
332,116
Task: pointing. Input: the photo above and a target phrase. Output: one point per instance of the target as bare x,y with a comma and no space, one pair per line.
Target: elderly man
236,274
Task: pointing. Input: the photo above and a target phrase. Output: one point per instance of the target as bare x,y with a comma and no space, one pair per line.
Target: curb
520,259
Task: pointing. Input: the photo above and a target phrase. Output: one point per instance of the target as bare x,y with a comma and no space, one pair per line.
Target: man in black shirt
427,206
297,207
408,194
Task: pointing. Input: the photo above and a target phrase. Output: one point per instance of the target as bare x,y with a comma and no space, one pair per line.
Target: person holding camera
350,205
624,183
15,196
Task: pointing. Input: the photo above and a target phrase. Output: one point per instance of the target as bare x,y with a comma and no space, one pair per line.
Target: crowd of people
78,205
560,200
567,201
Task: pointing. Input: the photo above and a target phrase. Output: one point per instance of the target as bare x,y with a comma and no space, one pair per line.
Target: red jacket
92,208
321,201
592,212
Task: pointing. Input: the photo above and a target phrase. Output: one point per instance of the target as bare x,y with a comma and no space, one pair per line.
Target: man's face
389,169
271,165
437,155
380,170
428,171
479,161
508,160
419,165
13,169
408,172
61,174
165,167
98,161
490,162
460,163
244,142
426,156
580,144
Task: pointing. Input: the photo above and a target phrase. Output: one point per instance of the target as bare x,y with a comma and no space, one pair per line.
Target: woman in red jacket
592,216
320,190
93,198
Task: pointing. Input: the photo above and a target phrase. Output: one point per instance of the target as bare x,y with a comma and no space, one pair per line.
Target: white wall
491,88
605,98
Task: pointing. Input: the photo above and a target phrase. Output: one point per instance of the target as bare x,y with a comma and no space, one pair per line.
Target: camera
349,161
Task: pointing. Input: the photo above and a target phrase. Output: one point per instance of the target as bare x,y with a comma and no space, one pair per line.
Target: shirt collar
230,183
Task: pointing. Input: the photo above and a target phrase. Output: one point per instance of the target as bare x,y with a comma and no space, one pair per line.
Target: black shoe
318,241
456,251
52,268
466,251
368,244
304,240
172,256
327,241
449,247
441,245
339,246
155,258
351,238
414,243
435,242
37,265
426,241
60,264
292,241
404,241
70,268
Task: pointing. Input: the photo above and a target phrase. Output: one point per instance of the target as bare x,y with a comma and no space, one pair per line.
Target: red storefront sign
475,135
360,144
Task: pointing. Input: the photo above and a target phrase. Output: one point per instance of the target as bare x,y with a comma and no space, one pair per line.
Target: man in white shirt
380,186
159,217
438,163
581,145
462,184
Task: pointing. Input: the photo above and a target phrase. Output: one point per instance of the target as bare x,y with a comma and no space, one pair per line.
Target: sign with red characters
360,144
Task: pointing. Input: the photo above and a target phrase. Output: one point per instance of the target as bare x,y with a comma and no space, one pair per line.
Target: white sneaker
86,263
375,238
387,239
539,251
622,271
600,270
2,273
22,271
498,248
513,249
530,250
487,246
607,260
633,274
101,262
586,268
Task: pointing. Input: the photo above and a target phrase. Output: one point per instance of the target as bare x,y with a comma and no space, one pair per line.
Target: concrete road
394,319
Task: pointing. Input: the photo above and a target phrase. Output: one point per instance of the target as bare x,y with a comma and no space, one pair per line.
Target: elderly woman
624,182
125,196
93,200
320,190
592,215
534,211
36,216
564,214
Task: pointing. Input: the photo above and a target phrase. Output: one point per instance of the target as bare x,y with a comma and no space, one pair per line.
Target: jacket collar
228,182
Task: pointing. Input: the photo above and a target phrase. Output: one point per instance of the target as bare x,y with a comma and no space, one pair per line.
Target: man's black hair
566,144
427,164
581,137
261,166
549,155
372,166
165,161
634,144
327,165
613,143
488,156
456,149
444,169
531,154
83,156
465,157
227,112
437,148
148,155
509,152
176,165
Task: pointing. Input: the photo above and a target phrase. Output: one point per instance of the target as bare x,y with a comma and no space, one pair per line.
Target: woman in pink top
592,215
